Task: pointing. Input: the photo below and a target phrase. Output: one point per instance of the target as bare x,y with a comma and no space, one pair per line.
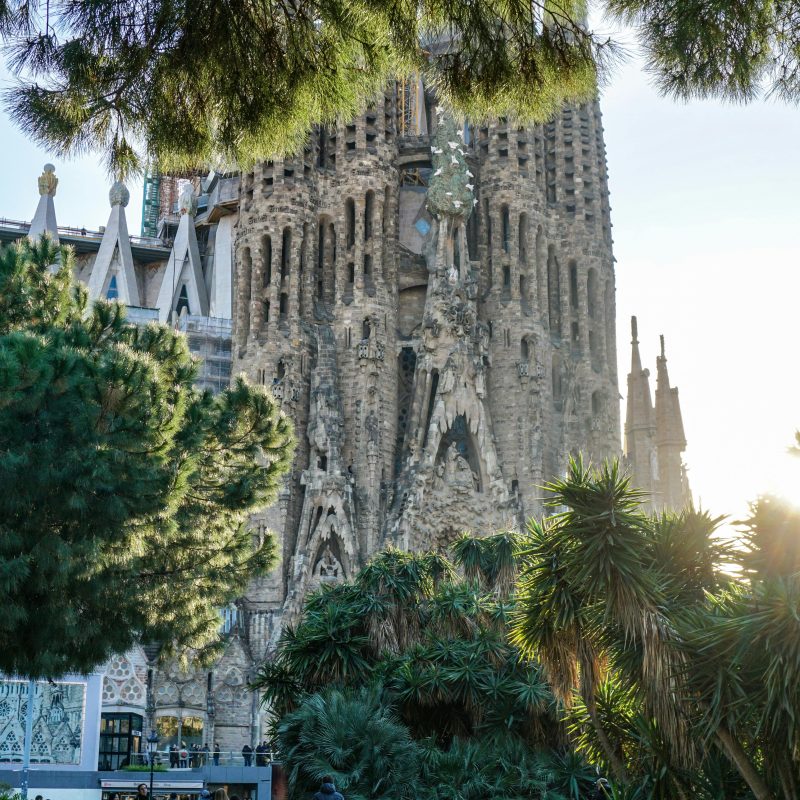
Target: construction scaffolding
411,111
210,340
151,202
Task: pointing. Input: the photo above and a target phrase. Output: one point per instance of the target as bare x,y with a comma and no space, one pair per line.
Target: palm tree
353,736
607,590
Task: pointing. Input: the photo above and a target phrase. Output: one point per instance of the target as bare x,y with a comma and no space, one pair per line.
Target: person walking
328,790
173,756
141,792
206,751
217,751
247,755
183,756
261,759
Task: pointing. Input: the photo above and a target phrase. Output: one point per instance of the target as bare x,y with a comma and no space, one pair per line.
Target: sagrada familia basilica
432,303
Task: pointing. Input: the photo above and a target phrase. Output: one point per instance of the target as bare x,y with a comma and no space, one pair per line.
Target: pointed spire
113,268
636,359
184,270
44,220
639,423
670,440
669,421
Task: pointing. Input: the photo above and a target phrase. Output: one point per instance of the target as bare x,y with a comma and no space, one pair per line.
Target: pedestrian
173,796
220,794
173,756
216,754
183,756
206,751
327,791
247,755
205,794
261,759
141,792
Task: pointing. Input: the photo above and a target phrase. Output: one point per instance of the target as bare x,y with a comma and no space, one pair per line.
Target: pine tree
213,81
124,489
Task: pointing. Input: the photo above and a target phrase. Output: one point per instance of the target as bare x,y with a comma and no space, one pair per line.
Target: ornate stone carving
48,183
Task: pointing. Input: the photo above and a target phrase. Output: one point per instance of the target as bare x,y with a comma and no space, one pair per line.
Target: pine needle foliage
212,82
125,488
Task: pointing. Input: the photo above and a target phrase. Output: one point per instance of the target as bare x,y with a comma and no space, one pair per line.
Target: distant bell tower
654,436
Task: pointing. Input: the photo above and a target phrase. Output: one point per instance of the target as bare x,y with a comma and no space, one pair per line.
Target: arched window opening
591,292
367,266
369,210
594,351
553,292
385,210
266,259
597,402
323,464
573,285
458,456
281,370
506,223
506,277
183,302
523,289
351,273
524,350
322,148
366,329
113,291
523,239
266,311
457,248
283,308
286,252
431,403
350,221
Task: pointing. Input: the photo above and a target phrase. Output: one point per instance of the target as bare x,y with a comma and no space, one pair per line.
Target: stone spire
44,220
113,275
183,287
670,440
639,421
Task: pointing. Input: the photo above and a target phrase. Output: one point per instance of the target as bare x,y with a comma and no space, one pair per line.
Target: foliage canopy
125,488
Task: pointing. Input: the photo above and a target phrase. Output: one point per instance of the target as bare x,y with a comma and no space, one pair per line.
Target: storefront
162,789
120,740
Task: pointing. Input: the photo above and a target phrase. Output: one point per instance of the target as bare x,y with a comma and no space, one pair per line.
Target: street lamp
152,749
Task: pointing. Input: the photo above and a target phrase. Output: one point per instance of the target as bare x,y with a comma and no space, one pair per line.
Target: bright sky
705,200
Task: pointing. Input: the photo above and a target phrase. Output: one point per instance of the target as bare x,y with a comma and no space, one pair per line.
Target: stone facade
434,308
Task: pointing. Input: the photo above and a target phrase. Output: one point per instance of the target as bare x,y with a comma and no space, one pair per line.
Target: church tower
432,303
654,436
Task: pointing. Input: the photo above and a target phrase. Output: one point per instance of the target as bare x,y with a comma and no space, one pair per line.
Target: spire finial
48,181
634,331
661,337
119,195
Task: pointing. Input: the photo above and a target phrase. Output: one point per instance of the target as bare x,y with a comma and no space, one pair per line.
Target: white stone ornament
454,160
470,186
119,195
187,202
453,145
48,181
437,173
